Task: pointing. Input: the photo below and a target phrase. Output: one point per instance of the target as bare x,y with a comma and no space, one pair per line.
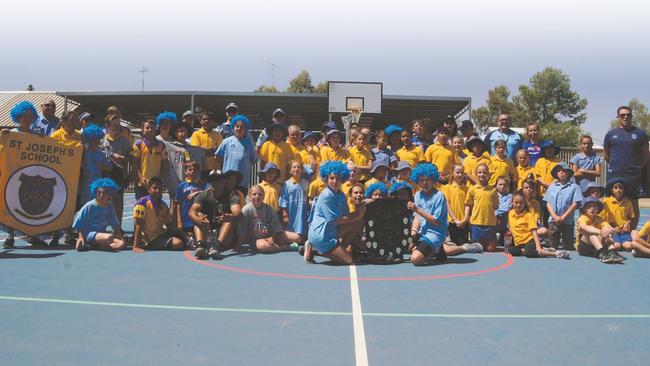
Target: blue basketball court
61,307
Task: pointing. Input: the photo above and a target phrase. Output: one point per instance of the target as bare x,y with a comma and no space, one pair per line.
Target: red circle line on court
509,261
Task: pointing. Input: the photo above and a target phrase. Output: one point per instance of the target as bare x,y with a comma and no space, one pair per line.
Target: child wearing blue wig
237,152
165,121
430,209
331,227
96,216
376,191
94,162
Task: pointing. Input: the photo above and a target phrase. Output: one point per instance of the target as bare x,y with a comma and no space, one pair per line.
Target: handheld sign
387,229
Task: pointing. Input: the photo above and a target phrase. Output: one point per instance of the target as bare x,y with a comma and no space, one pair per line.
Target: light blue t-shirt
93,217
505,204
584,161
561,196
512,139
91,162
237,155
323,230
44,127
435,205
293,198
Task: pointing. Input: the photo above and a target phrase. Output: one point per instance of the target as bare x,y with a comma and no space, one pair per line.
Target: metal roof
10,98
307,110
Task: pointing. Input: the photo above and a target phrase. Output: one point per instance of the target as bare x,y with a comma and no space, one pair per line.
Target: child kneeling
95,216
260,225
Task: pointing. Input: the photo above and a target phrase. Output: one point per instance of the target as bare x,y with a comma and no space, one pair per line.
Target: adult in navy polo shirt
626,152
46,122
505,133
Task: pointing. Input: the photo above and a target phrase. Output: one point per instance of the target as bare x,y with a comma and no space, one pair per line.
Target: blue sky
413,48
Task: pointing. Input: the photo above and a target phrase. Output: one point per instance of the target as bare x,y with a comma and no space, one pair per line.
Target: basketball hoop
349,120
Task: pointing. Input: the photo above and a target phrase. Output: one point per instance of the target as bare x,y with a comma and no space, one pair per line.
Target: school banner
39,178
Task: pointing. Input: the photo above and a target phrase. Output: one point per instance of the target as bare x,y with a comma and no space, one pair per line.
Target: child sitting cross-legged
260,225
619,213
525,233
595,234
95,216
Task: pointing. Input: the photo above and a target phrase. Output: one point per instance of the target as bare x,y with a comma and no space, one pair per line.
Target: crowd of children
313,190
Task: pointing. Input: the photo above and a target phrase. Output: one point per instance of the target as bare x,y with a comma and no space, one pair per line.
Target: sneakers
294,247
9,243
54,241
562,254
214,253
200,252
308,255
634,253
36,241
473,247
617,257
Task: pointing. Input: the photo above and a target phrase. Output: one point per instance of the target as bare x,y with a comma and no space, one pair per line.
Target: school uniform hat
402,164
563,166
278,111
268,167
328,125
187,113
617,180
232,106
592,201
376,164
593,186
309,134
239,175
550,143
215,175
85,115
332,131
474,140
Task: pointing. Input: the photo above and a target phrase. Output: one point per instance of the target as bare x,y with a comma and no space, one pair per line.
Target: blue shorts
622,237
483,233
325,247
429,242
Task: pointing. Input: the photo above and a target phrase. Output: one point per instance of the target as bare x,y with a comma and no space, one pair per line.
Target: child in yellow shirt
361,156
594,237
619,213
379,173
442,155
477,148
409,152
642,241
545,164
277,151
334,149
481,202
524,170
502,166
310,154
456,192
270,185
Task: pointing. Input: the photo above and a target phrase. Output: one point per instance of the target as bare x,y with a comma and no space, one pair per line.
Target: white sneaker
633,252
473,247
562,254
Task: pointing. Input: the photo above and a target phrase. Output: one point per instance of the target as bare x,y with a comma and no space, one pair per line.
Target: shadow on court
7,254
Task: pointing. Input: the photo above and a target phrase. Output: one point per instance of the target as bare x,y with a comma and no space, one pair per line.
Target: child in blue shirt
184,197
293,200
94,161
586,164
430,208
237,151
505,204
329,217
562,198
96,216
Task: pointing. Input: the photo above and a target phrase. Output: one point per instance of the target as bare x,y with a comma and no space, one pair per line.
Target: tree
498,102
301,83
562,134
549,99
266,89
322,87
640,113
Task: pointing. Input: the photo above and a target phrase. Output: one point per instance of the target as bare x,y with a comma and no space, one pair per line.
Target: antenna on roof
143,71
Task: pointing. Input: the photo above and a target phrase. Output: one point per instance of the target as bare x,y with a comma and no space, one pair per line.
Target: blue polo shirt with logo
625,148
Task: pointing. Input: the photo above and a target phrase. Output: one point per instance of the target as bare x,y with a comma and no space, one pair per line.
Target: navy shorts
483,233
622,237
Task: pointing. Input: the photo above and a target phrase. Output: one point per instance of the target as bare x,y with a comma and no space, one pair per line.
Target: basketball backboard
345,96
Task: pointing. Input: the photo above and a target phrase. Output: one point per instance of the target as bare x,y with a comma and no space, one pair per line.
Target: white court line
361,353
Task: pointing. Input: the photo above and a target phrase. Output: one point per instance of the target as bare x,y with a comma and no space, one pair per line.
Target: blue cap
564,166
376,164
309,134
268,167
593,185
590,201
403,164
550,143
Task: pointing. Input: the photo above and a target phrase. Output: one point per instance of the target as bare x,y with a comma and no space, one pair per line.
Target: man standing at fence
505,133
626,152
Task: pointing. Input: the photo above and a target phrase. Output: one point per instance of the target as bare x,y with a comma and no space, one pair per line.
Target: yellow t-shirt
306,158
617,212
271,194
483,201
295,149
207,140
150,157
471,162
521,226
523,173
340,154
315,188
62,135
374,180
414,155
361,158
280,154
154,216
598,223
455,195
536,208
502,167
543,168
443,157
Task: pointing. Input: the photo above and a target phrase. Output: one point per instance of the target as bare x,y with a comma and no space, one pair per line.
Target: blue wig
171,116
425,170
392,129
399,185
377,186
107,183
242,118
336,167
22,108
92,131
